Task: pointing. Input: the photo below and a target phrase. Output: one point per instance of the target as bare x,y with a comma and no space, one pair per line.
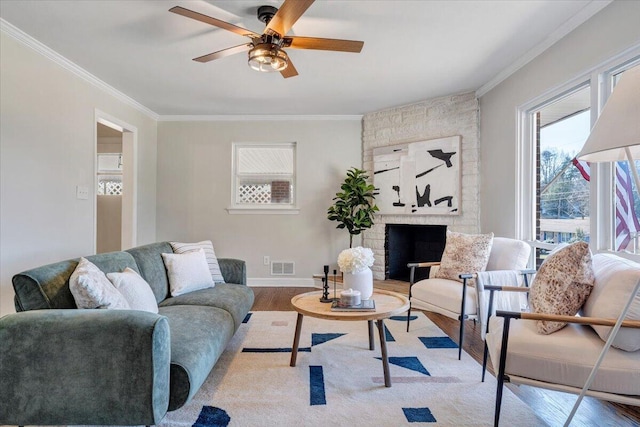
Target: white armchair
457,299
563,360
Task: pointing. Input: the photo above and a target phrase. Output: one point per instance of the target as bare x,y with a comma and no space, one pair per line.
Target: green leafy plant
354,206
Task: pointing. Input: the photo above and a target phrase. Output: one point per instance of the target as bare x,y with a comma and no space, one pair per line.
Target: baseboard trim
283,282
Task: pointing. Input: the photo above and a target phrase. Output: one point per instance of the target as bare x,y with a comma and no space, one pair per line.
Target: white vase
361,281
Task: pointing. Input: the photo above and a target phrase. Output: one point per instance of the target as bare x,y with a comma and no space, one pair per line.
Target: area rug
338,381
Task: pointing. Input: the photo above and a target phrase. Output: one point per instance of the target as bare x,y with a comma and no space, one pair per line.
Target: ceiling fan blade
323,44
224,52
287,15
290,71
213,21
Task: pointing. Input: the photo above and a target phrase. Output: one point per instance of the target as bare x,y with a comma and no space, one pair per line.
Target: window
264,177
562,182
109,174
561,198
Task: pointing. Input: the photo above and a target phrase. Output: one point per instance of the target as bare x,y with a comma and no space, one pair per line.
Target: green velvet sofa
61,365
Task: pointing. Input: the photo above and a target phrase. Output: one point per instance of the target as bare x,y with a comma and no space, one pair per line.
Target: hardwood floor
552,407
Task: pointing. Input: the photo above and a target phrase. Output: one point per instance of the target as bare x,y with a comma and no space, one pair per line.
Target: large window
563,199
264,176
562,182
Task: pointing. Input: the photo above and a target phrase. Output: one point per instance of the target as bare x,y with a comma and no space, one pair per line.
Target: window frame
264,208
602,184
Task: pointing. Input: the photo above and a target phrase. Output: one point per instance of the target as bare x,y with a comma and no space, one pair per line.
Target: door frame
129,229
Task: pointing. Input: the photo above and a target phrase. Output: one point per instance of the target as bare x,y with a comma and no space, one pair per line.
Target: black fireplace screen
405,243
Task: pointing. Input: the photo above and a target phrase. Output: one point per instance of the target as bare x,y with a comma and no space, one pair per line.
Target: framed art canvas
418,178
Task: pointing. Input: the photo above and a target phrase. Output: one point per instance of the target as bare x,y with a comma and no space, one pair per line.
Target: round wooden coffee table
387,304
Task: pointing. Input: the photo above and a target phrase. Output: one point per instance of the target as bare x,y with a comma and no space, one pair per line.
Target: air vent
282,268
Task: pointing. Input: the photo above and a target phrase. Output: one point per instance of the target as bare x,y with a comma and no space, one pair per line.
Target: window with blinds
264,175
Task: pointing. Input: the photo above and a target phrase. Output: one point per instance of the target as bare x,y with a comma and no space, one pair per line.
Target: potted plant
354,206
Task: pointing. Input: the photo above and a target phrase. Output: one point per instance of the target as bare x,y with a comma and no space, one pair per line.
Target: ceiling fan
266,51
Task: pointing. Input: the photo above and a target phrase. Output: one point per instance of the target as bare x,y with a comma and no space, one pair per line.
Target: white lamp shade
618,125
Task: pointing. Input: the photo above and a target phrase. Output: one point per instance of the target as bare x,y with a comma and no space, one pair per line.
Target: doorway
115,190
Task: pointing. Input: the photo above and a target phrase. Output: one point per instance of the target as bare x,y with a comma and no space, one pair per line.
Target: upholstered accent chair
564,360
459,299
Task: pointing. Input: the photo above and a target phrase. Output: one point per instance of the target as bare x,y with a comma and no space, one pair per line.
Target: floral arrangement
355,259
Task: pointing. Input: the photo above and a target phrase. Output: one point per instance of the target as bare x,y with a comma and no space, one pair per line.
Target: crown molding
257,117
54,56
574,22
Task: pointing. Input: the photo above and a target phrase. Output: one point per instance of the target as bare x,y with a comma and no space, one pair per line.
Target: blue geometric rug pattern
410,362
338,380
212,417
438,342
418,415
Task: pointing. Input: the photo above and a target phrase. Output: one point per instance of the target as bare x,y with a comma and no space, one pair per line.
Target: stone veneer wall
434,118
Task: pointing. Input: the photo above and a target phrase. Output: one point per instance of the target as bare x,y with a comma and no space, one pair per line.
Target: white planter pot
361,281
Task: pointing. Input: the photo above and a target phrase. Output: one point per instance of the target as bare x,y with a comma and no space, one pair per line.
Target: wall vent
282,268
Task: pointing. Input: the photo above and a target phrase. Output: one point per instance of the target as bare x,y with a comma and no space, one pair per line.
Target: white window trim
266,209
601,207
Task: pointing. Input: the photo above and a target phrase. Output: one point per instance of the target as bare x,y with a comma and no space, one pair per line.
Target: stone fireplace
405,243
431,119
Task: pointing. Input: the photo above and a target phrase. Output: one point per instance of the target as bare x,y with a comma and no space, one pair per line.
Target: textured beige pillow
464,253
91,288
561,286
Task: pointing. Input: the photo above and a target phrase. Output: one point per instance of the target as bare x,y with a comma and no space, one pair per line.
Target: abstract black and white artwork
418,178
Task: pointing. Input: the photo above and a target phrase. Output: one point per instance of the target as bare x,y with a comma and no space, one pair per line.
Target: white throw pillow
207,246
508,254
187,272
615,279
135,290
91,288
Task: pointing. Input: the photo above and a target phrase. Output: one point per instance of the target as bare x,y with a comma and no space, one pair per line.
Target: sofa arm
84,367
233,270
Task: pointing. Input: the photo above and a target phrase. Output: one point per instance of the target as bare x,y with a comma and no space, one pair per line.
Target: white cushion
207,246
91,288
508,254
565,357
187,272
135,290
443,296
615,279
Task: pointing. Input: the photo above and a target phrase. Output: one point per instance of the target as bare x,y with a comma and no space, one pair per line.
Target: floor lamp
615,137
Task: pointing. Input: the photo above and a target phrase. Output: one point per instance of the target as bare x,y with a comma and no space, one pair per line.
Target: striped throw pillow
207,246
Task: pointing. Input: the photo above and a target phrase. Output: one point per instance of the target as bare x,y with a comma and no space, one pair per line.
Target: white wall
194,190
614,29
47,146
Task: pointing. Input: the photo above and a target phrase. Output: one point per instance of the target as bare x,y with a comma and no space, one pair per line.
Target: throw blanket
511,301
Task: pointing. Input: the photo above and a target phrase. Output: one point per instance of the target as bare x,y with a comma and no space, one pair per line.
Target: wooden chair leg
408,316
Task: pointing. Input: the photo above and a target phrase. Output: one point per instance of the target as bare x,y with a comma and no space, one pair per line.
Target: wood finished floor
552,407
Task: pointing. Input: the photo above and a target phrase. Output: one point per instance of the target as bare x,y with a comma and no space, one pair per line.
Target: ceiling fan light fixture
268,57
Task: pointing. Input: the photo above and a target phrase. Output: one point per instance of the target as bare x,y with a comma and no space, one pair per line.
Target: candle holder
325,286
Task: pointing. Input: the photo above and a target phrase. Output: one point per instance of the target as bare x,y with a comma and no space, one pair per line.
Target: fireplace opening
405,243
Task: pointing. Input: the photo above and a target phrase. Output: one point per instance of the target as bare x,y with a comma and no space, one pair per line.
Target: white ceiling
413,50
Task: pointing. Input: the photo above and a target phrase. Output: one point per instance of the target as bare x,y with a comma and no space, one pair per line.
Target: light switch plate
82,192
